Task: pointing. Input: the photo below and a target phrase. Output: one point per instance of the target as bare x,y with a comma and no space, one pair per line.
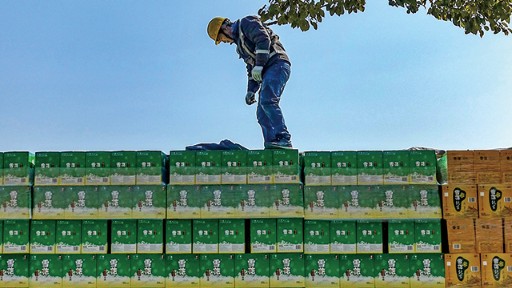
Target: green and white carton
45,270
124,236
217,270
115,202
72,168
287,270
288,200
79,270
232,236
317,168
423,166
16,236
150,168
150,237
1,236
184,201
82,202
316,236
369,237
182,270
123,167
427,270
259,167
15,269
252,270
69,237
369,168
358,202
16,202
149,201
97,169
234,167
148,270
113,270
178,236
344,167
396,167
401,236
322,270
357,270
343,236
49,202
182,167
208,167
47,168
206,236
286,166
94,236
321,202
393,201
219,201
255,201
392,270
263,235
18,168
42,236
290,236
425,202
427,235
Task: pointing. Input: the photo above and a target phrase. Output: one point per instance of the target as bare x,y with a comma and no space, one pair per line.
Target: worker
268,70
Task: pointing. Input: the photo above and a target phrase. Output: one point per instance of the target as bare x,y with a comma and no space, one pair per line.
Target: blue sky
144,75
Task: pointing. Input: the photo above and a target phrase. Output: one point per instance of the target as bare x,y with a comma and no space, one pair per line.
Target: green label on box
428,235
217,270
123,167
16,236
42,236
150,237
234,167
123,236
149,201
113,271
287,270
286,166
263,235
317,168
255,201
344,167
231,235
358,202
206,236
49,202
392,270
45,270
115,201
357,270
343,236
259,167
16,202
427,270
322,270
82,202
148,270
183,270
401,236
288,200
219,201
182,167
369,168
369,237
208,165
94,237
393,201
316,237
252,270
18,168
150,168
423,166
97,169
184,201
15,270
79,270
396,168
72,168
425,201
47,168
290,235
69,236
321,202
178,236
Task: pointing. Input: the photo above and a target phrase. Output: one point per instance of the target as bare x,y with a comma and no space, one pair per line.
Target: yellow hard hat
214,28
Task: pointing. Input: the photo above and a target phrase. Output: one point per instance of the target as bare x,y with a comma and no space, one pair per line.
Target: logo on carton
215,269
461,267
112,271
148,201
147,269
285,199
320,271
497,265
287,270
494,198
78,271
45,269
426,270
459,195
13,201
391,271
10,267
355,271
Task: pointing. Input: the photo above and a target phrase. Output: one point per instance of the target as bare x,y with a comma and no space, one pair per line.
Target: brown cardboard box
459,201
489,235
487,166
496,269
506,160
462,177
462,270
461,235
507,234
495,200
460,160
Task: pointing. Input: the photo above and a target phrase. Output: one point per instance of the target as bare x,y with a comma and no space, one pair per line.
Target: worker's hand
256,73
250,98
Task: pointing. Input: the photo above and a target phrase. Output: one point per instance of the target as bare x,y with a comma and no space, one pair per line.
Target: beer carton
358,202
18,168
393,201
427,270
396,168
97,169
401,236
288,200
252,270
459,201
263,235
494,200
369,237
357,270
16,236
150,168
79,270
178,236
42,236
425,201
150,237
123,167
489,235
321,202
217,270
506,165
72,168
422,166
49,202
317,168
316,236
507,234
487,166
149,201
115,202
496,269
343,237
322,270
206,236
183,201
286,166
16,202
113,271
255,201
82,202
392,270
463,270
234,167
290,235
461,160
219,201
182,167
45,271
208,167
69,237
15,269
287,270
344,168
123,236
46,169
232,236
94,237
147,270
369,168
427,235
259,167
461,235
182,270
1,236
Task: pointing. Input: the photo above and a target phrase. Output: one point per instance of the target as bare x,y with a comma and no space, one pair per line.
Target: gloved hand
250,98
256,73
